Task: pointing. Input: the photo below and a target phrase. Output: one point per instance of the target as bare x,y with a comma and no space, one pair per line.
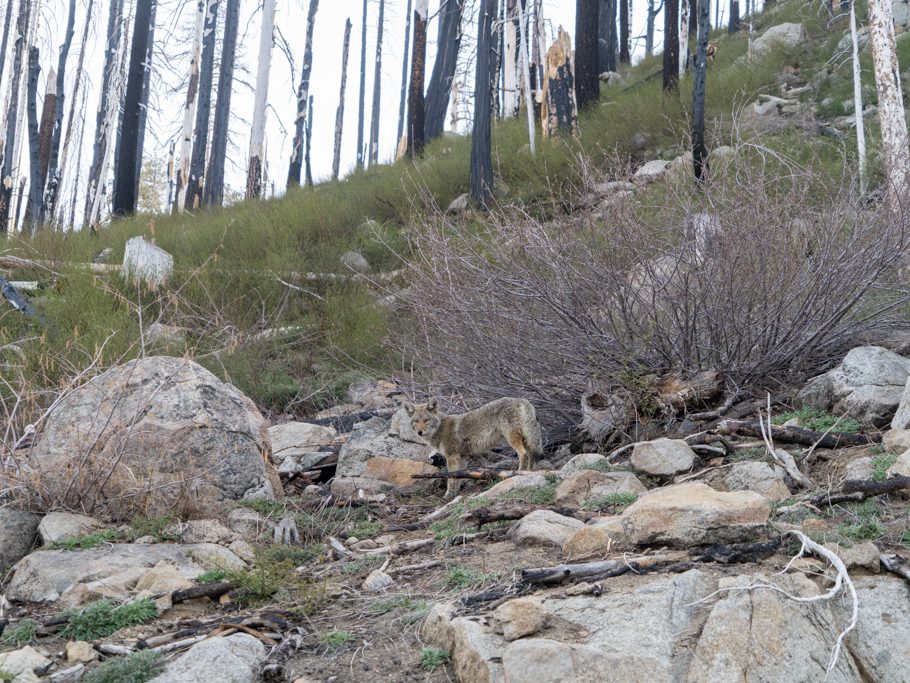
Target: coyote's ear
433,405
408,406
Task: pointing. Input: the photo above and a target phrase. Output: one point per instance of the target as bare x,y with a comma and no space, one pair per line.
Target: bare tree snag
146,92
525,69
404,71
7,21
363,89
214,176
308,170
303,98
798,435
587,77
6,171
481,159
377,88
194,185
699,150
684,35
560,113
510,99
671,56
33,140
415,92
339,113
189,108
858,101
624,33
257,135
607,40
448,44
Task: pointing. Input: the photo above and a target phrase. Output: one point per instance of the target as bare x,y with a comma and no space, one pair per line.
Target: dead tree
509,60
12,115
7,22
303,98
587,78
214,176
195,180
189,107
35,210
404,70
363,89
606,31
448,44
671,46
624,20
560,112
33,141
733,25
377,89
146,91
339,113
308,170
653,10
481,159
257,135
127,180
699,151
418,68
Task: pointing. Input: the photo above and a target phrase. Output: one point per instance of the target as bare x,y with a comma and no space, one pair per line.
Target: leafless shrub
755,278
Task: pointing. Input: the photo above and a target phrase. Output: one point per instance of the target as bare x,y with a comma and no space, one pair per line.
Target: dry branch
798,435
273,670
499,513
896,565
854,490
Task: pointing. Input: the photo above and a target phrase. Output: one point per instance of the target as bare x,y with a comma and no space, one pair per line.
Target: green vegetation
905,538
464,577
7,677
211,576
264,506
273,576
616,501
814,419
21,633
366,529
336,639
881,464
545,494
359,565
868,526
598,466
103,617
87,541
432,658
134,668
411,610
152,526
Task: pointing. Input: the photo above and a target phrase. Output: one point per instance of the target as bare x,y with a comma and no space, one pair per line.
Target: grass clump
398,602
452,525
103,617
274,573
335,639
618,501
266,508
366,529
152,526
20,634
881,464
816,420
295,554
431,658
868,526
211,576
464,577
134,668
87,541
545,494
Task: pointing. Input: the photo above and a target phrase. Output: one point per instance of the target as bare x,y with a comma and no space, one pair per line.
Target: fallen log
736,553
798,435
597,570
895,564
272,670
207,590
499,513
855,490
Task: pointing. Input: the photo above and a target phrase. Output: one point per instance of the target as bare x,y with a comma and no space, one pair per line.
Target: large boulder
693,514
782,35
230,659
56,526
598,538
759,477
544,527
590,485
867,386
159,432
296,439
18,531
662,457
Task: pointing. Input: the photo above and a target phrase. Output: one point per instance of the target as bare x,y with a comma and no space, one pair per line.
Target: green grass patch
20,634
432,658
616,501
211,576
265,507
868,526
459,577
452,525
88,541
274,574
412,610
881,464
103,617
363,530
134,668
905,538
545,494
818,421
336,639
152,526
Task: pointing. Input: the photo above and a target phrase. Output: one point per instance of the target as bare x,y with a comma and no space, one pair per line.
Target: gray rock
476,652
585,461
146,263
759,477
602,413
860,468
682,166
167,335
662,457
651,171
512,484
46,575
901,418
23,663
460,204
174,428
377,582
722,155
355,261
56,526
867,386
520,618
782,35
201,531
18,531
371,439
299,438
598,538
589,485
544,527
612,78
249,524
901,10
859,556
539,660
901,466
231,659
896,440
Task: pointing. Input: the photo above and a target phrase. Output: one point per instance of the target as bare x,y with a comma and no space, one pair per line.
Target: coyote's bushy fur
459,437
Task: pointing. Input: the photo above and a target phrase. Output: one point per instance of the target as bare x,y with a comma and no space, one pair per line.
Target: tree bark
196,176
6,172
653,11
144,96
257,135
606,30
308,170
214,177
404,70
481,160
671,46
339,113
34,141
303,98
699,151
126,182
587,78
361,157
684,36
733,25
416,112
7,22
560,112
624,20
858,102
448,45
35,210
525,69
798,435
189,107
377,89
510,92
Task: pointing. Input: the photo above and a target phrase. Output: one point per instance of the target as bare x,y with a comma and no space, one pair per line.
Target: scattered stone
169,335
901,466
520,481
175,430
544,527
201,531
299,438
231,659
759,477
372,439
519,618
867,386
243,550
56,526
858,556
146,263
690,514
18,532
585,461
162,578
860,468
80,651
589,485
249,524
374,395
783,35
598,537
897,440
377,582
902,416
355,261
662,457
651,171
460,204
682,166
22,664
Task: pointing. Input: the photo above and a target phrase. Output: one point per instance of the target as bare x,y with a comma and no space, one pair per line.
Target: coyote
461,436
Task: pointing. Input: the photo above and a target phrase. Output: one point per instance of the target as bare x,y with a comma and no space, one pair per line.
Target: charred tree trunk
303,98
699,151
733,26
404,70
257,135
416,118
671,46
339,113
447,45
653,10
693,18
214,177
6,172
126,182
34,142
35,210
481,159
363,89
560,112
189,108
624,19
195,180
606,30
587,78
308,170
683,37
7,22
146,91
377,89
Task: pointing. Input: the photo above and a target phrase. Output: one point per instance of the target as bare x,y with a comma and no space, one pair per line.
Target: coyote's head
425,419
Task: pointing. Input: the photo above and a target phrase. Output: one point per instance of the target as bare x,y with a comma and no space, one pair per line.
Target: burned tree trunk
404,71
34,156
189,107
587,78
146,91
377,89
653,10
303,98
606,31
214,177
671,46
35,211
560,113
624,19
12,114
308,170
481,159
257,136
448,44
363,89
339,113
699,151
733,25
415,93
127,181
509,56
7,22
683,37
203,109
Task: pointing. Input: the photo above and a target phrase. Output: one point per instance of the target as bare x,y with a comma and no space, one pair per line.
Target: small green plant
545,494
103,617
816,420
618,501
87,541
452,524
356,566
864,531
265,507
881,464
905,538
211,576
271,573
335,639
366,529
152,526
597,466
135,668
759,453
20,634
464,577
431,658
295,554
398,602
7,677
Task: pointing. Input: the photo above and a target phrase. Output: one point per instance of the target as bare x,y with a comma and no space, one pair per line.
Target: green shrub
211,576
881,464
619,501
335,639
134,668
432,658
21,633
814,419
464,577
103,617
87,541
